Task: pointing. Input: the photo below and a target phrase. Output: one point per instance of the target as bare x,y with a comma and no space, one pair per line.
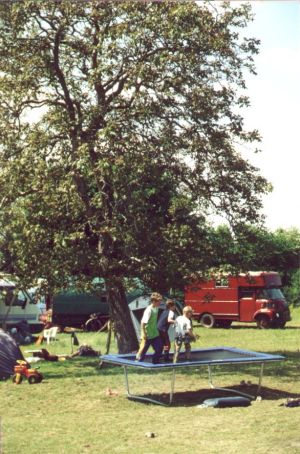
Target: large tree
134,140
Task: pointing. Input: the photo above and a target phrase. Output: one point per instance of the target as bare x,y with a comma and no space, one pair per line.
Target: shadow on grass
193,398
87,367
286,371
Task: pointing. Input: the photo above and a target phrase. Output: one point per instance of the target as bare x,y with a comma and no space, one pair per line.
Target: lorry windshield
270,294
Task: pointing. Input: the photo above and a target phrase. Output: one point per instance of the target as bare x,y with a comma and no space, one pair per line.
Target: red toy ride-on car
22,369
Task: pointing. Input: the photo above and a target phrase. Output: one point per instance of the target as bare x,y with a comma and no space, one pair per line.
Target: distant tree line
254,248
246,249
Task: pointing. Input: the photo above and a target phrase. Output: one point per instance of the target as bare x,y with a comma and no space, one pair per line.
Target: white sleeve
146,315
171,316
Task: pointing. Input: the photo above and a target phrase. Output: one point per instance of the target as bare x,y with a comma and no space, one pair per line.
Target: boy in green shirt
149,331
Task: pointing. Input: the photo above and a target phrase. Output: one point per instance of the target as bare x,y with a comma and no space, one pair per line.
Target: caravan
18,305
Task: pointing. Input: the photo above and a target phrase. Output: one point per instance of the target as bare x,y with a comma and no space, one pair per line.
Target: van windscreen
270,294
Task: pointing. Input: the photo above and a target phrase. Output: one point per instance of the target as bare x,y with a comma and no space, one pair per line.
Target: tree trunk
119,312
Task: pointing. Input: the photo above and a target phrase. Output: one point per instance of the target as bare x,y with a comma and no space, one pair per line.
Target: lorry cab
266,306
17,305
247,297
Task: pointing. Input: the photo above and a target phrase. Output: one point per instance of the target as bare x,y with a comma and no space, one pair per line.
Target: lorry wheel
207,320
263,322
279,325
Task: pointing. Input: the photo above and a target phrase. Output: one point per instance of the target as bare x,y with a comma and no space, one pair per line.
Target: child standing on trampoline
184,333
149,330
166,319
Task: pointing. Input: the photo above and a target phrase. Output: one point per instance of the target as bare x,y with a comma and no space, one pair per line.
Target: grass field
71,411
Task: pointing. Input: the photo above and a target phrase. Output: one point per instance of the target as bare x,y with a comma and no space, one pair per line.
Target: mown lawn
71,411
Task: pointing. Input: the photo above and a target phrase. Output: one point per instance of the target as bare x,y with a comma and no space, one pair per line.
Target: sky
275,107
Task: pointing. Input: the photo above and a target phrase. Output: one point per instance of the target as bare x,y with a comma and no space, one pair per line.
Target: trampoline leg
148,399
172,386
260,377
210,377
126,381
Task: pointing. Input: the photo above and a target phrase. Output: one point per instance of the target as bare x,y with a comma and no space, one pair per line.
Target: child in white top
184,333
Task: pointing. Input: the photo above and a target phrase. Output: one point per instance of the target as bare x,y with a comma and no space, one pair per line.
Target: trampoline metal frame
172,388
246,357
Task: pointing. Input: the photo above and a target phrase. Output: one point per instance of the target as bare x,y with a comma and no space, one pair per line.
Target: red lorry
251,297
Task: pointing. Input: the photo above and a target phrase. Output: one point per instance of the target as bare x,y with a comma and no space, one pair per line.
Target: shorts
186,339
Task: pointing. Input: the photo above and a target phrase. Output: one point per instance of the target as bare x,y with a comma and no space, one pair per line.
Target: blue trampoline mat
208,356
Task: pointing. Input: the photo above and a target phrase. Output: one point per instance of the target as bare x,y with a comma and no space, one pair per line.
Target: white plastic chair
50,334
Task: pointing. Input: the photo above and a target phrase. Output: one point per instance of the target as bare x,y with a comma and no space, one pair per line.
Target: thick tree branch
60,75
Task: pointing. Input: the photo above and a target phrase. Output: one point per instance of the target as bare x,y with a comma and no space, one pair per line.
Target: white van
17,305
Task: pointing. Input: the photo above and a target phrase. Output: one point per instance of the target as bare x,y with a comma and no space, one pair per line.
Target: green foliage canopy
134,139
254,248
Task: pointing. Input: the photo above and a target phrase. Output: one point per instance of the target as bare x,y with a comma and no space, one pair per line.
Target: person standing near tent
166,319
149,331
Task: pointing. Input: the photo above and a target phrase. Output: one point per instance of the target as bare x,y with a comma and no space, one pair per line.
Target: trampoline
214,356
